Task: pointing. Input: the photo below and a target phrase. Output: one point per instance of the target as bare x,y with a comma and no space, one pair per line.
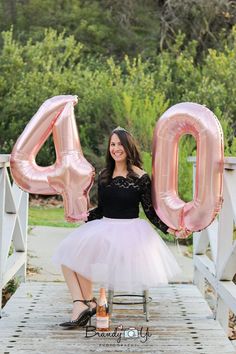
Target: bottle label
102,322
102,302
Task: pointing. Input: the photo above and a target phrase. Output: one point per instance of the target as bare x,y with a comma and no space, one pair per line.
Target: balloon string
178,246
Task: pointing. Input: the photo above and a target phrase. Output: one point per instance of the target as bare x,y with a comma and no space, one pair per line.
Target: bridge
181,320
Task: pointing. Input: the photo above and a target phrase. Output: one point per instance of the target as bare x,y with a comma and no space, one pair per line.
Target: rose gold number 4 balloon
197,120
71,175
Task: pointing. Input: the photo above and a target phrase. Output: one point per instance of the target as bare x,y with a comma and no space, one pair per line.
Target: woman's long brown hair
133,156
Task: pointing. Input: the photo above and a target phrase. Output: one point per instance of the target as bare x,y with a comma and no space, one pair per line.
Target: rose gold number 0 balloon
71,175
197,120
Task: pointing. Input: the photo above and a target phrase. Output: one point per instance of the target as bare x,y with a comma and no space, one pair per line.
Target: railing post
220,267
2,210
13,228
224,245
23,216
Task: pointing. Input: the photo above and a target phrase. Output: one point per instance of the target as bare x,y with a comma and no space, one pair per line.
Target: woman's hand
171,231
184,233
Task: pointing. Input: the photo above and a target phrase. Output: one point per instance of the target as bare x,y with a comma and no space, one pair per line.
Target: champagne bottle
102,316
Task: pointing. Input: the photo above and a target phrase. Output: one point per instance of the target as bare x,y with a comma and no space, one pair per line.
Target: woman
116,248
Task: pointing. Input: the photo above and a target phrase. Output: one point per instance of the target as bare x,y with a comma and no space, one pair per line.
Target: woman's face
117,150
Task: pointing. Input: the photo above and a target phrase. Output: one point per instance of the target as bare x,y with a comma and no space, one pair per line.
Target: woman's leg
75,290
86,288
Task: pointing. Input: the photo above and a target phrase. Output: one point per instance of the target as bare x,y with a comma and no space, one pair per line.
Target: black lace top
120,198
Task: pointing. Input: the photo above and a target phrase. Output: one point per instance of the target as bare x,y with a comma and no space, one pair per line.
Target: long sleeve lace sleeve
96,213
146,201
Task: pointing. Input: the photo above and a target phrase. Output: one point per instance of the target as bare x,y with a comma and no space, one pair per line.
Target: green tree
114,27
133,93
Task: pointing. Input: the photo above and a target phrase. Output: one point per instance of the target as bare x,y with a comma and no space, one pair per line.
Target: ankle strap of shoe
86,302
83,301
93,300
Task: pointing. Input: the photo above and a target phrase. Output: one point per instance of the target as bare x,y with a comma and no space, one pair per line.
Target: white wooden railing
214,249
13,227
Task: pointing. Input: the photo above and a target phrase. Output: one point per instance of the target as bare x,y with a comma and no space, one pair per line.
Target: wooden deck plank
180,322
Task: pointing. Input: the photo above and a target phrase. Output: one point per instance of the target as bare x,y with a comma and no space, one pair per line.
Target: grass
48,217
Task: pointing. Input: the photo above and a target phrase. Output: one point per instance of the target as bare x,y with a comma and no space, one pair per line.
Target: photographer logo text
120,333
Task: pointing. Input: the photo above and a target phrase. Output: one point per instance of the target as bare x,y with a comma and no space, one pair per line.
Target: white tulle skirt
119,254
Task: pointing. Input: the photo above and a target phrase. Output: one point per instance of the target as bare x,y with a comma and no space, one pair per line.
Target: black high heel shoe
92,312
94,309
83,318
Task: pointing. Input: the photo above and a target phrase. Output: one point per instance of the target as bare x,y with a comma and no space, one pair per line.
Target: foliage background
128,61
